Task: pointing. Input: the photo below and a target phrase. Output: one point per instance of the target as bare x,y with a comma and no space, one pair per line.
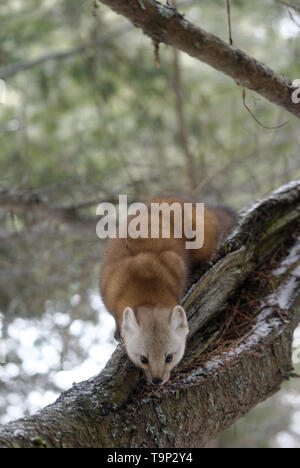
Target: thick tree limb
165,24
117,408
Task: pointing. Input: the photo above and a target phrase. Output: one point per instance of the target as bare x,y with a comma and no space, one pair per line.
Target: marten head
155,338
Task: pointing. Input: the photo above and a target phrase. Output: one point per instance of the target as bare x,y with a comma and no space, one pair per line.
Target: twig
156,53
293,18
191,169
289,5
255,118
229,22
142,4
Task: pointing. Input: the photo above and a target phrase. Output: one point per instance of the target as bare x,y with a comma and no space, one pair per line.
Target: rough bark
205,395
165,24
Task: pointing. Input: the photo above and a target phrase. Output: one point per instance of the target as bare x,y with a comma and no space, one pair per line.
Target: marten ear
178,321
129,323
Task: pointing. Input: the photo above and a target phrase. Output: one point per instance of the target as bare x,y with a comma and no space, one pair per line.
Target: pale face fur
155,335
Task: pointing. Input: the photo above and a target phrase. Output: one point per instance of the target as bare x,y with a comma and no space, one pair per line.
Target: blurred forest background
88,116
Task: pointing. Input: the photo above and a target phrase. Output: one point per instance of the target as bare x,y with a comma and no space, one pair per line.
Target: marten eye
144,360
169,358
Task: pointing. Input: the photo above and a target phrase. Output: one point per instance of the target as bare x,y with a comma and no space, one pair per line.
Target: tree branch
15,68
165,24
29,202
289,5
211,388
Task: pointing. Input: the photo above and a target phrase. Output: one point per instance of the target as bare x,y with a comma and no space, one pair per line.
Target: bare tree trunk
165,24
242,314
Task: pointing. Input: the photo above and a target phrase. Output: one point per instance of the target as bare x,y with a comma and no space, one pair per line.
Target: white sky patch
76,327
295,426
38,344
286,440
75,300
93,335
291,398
34,362
107,324
61,319
287,28
23,337
37,400
297,333
88,333
12,412
96,302
101,353
194,13
20,328
89,368
11,370
14,407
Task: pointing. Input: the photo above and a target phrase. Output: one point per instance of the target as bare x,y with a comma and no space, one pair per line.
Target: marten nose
156,381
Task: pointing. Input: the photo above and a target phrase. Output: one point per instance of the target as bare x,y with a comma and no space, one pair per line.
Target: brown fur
138,272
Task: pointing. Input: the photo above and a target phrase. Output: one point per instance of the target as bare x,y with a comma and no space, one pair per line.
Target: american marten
143,280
